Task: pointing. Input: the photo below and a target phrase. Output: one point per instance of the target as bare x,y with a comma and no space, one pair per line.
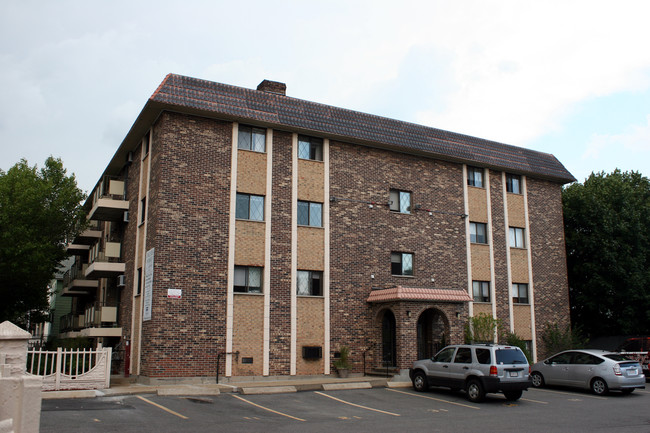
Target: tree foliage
607,227
555,339
40,211
482,328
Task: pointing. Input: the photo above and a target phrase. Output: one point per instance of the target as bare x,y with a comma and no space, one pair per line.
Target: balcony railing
109,201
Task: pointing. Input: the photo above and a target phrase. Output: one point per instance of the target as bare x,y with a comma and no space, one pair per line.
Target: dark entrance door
389,349
431,333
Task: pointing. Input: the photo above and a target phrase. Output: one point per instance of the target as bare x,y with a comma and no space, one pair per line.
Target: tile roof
182,93
400,293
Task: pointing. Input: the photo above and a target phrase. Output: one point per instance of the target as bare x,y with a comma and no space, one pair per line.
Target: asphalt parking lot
368,410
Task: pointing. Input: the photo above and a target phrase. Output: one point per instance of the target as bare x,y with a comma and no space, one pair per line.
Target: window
143,209
463,355
400,201
309,283
310,148
310,214
145,145
517,237
248,279
483,356
138,286
251,138
250,207
519,293
475,177
478,233
513,183
401,263
445,355
481,290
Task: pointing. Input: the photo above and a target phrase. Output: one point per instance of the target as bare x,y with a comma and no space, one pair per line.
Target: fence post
108,352
57,375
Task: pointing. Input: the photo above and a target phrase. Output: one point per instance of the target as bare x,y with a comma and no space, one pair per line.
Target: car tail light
493,370
617,370
530,369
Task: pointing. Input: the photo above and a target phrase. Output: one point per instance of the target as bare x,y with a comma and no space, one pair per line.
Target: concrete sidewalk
247,386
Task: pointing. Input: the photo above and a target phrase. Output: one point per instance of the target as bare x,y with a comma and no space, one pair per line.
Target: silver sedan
598,370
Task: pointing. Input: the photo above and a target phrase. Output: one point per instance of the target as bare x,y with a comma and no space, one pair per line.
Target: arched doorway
432,335
388,340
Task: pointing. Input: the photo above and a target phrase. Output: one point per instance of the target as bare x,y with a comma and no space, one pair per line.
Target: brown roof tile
215,99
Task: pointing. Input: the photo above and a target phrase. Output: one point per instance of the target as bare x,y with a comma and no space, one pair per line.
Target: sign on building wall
148,285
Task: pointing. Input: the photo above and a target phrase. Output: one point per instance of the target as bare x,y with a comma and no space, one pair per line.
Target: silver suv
476,368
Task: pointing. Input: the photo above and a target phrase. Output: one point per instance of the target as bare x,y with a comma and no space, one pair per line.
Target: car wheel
420,382
627,391
599,386
537,379
475,392
513,395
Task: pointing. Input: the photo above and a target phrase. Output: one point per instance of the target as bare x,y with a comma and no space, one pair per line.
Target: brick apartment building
259,233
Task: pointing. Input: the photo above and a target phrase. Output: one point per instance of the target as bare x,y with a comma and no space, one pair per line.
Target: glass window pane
485,291
394,200
259,140
254,280
257,208
317,152
303,149
241,210
405,202
407,264
244,141
472,232
303,282
315,214
303,213
478,178
240,276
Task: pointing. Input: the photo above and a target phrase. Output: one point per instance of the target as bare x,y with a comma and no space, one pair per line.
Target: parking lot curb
347,385
255,390
188,390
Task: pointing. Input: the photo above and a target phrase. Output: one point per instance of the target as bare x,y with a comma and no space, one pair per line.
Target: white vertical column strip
493,289
135,358
468,244
506,222
531,287
267,251
294,249
326,257
231,248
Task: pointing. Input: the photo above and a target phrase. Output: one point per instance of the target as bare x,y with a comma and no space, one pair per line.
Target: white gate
71,369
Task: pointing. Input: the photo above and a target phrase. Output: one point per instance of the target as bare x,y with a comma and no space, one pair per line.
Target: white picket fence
71,369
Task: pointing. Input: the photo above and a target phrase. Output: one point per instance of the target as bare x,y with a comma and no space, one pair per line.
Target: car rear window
617,357
510,356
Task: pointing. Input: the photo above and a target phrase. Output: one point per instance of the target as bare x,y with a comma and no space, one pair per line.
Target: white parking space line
266,408
161,407
356,405
433,398
534,401
571,393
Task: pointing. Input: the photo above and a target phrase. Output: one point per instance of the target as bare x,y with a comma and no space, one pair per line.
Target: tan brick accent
522,319
516,210
310,332
251,172
248,335
482,308
477,198
249,243
311,243
519,265
311,180
480,262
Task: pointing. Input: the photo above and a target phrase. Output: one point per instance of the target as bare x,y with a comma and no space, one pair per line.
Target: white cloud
635,138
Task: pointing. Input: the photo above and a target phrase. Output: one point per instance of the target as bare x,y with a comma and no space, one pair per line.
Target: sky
570,78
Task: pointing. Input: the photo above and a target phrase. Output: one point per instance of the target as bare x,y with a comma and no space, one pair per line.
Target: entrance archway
432,335
388,340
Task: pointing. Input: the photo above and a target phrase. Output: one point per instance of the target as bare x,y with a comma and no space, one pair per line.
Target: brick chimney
273,87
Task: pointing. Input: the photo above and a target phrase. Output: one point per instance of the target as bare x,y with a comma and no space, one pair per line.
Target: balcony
107,263
101,322
89,236
75,282
108,201
71,323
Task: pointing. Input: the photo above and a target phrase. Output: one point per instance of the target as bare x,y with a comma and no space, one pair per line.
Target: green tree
482,328
40,211
607,228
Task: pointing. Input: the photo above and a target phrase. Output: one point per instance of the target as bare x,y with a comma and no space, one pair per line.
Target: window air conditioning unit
121,280
126,216
312,352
